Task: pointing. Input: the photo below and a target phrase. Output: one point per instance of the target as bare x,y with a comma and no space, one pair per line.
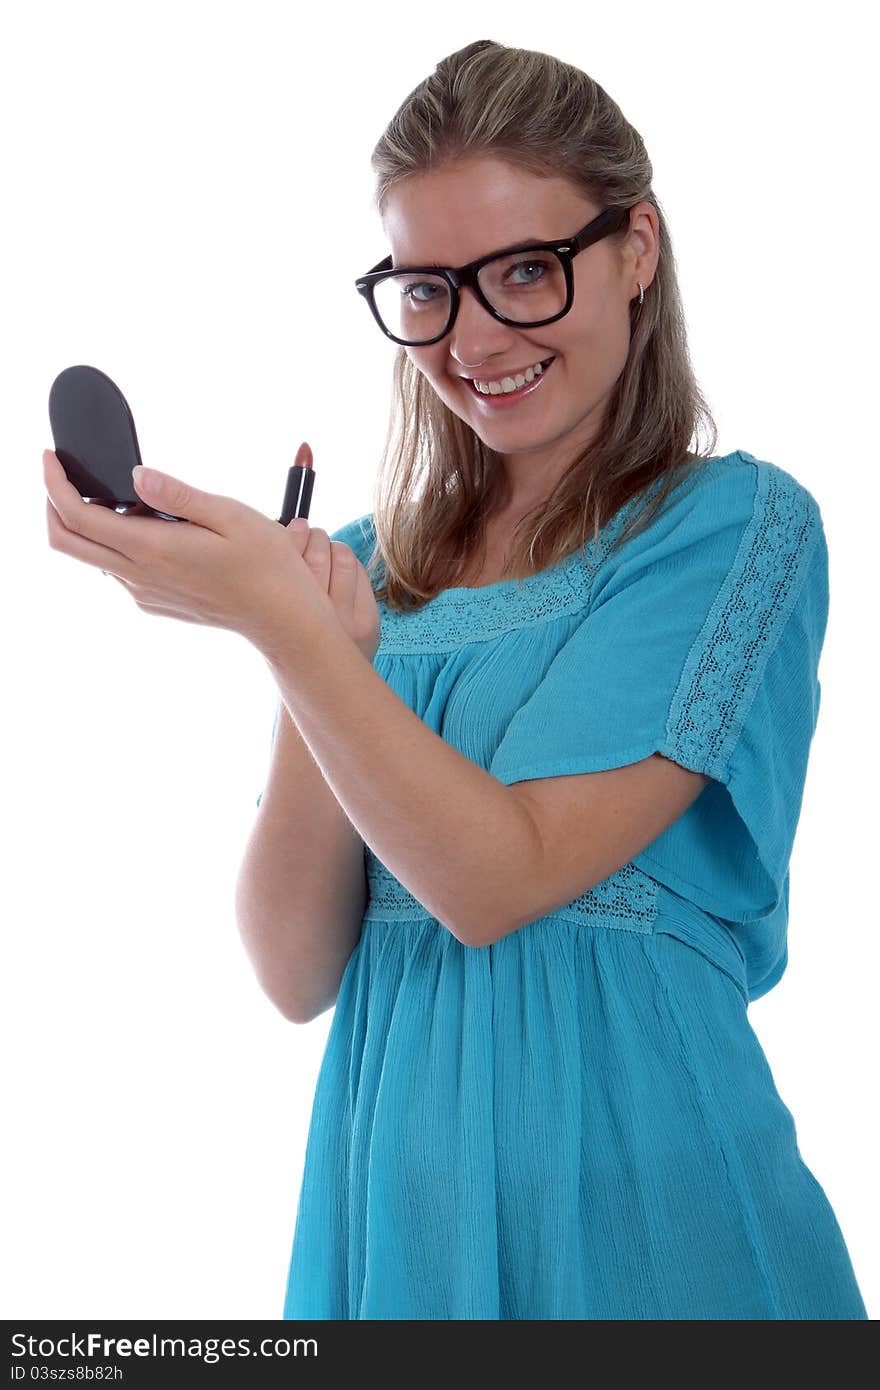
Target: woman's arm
482,857
302,888
449,832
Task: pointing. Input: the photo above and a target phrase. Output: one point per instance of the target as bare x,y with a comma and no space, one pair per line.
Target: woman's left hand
225,565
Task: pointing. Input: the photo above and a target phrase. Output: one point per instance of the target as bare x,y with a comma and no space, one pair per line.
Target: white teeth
508,383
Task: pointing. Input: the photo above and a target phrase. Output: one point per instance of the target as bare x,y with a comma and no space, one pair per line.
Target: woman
535,846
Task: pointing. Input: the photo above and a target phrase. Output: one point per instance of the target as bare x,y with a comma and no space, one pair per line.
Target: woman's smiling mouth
508,389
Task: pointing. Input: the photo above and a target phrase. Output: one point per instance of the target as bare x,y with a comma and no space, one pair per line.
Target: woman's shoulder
729,493
735,513
775,515
757,480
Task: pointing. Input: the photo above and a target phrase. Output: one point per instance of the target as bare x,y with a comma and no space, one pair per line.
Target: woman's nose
476,334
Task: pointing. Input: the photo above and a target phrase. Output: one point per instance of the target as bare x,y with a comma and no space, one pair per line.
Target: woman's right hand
341,575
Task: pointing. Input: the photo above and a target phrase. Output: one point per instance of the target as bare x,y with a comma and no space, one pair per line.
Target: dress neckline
500,585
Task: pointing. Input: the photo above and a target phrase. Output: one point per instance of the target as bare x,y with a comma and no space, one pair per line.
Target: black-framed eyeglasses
416,312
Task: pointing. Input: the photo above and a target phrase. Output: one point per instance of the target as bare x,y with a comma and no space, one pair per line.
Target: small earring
641,295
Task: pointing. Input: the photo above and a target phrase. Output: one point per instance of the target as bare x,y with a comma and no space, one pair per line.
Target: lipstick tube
298,492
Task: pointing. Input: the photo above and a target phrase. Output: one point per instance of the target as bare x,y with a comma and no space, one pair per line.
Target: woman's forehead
456,213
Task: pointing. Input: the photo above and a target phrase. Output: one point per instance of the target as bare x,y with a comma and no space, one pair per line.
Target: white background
186,204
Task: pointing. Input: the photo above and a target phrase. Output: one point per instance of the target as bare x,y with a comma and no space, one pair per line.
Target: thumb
173,495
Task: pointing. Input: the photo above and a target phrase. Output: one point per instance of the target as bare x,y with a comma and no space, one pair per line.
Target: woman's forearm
449,831
301,889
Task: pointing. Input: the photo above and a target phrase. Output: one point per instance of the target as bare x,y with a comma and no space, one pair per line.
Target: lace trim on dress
723,671
626,900
457,616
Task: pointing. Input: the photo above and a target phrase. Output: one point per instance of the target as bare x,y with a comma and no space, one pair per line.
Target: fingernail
147,478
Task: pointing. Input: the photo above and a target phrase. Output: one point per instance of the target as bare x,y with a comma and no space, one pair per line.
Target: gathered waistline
629,901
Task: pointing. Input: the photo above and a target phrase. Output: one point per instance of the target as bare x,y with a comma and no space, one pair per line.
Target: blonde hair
438,483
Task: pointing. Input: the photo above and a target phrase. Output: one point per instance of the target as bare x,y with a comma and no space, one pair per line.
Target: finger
144,538
169,494
79,546
298,530
97,525
318,557
343,578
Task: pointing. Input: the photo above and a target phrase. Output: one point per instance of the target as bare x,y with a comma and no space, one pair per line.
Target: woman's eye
409,292
526,265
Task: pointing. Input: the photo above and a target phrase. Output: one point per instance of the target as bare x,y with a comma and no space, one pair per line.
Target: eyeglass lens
525,287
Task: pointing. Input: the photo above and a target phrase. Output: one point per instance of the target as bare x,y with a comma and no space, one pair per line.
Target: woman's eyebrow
521,245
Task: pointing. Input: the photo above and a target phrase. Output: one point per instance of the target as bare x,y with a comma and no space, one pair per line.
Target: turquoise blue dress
578,1121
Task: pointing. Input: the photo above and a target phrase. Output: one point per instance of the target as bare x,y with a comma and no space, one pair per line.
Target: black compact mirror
95,439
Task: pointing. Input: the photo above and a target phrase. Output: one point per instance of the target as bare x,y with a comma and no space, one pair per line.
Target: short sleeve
358,535
701,642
